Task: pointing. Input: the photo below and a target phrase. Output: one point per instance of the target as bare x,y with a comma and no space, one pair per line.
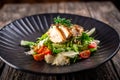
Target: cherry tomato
92,45
41,52
47,51
38,57
41,49
85,54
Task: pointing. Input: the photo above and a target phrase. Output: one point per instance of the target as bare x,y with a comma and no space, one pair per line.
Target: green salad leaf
85,38
44,36
27,43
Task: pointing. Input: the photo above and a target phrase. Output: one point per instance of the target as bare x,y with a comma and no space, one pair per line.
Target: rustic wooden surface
104,11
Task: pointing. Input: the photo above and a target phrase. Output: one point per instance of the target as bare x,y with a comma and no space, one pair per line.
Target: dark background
2,2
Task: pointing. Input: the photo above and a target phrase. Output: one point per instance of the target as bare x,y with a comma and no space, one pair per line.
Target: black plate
29,28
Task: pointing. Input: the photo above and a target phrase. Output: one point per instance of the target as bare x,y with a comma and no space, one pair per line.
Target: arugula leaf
62,21
58,50
85,38
43,36
48,43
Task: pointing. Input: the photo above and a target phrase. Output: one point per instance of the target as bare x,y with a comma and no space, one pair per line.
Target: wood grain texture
105,12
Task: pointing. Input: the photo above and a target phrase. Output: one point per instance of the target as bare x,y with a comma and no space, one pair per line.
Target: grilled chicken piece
56,35
76,30
66,31
60,33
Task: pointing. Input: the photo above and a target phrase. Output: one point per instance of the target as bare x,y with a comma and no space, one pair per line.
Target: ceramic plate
31,27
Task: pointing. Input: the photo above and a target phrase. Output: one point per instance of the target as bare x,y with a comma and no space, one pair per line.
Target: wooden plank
12,74
11,12
78,8
61,7
107,12
73,8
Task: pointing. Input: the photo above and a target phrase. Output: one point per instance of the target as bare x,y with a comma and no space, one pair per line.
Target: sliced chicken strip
65,31
56,35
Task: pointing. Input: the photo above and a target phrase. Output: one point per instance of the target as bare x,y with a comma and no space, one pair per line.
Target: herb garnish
62,21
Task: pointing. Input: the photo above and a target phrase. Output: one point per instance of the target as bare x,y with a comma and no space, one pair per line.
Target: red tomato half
38,57
41,52
41,49
47,51
85,54
92,45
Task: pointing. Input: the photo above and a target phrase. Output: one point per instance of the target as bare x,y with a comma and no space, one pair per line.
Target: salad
64,43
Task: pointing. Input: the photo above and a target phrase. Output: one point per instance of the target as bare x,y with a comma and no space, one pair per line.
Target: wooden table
103,11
